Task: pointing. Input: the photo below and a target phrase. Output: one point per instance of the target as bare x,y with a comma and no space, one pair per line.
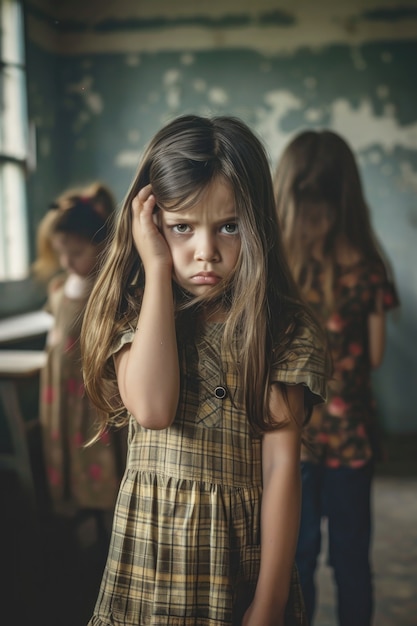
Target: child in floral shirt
338,264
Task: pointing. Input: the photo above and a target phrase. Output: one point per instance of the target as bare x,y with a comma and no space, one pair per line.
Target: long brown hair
317,178
262,300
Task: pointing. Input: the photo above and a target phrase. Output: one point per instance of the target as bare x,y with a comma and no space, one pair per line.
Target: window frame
14,144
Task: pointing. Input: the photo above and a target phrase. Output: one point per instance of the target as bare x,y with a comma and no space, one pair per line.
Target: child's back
339,267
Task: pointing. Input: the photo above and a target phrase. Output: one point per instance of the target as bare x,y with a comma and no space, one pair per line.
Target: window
14,245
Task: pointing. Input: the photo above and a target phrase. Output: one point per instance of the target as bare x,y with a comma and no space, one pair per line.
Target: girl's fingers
147,237
144,192
144,202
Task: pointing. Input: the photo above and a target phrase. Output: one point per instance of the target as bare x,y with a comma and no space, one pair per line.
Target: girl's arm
376,332
280,513
148,369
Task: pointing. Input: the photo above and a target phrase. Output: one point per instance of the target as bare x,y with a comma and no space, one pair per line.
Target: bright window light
14,244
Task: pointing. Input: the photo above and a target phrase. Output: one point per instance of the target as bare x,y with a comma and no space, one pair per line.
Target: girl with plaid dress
81,480
339,267
196,336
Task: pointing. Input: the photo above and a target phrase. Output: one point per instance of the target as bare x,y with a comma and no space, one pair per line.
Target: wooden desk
15,365
24,326
23,560
21,363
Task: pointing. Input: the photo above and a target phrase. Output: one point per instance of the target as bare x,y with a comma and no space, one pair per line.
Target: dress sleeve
379,280
125,333
305,362
121,340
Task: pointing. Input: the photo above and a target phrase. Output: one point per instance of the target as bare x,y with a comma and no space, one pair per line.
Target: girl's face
75,254
204,241
317,221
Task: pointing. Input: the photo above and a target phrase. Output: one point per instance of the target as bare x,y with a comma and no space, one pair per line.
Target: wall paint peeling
394,14
344,65
99,27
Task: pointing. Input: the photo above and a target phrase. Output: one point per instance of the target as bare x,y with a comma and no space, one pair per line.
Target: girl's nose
206,250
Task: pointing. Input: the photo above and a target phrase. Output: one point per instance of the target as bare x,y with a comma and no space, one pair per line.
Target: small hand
149,241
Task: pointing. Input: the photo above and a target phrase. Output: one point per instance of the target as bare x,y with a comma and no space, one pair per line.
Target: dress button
220,392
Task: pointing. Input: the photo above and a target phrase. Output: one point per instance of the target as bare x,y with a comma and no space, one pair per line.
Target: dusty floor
394,557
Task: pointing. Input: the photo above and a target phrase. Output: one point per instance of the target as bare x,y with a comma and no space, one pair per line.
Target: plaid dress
78,477
185,548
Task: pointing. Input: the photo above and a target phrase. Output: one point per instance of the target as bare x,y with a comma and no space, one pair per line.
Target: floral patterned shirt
344,431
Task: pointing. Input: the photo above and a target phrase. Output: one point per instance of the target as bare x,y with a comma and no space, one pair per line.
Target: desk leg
25,572
19,459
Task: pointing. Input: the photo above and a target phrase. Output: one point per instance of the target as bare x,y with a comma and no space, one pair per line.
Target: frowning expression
204,240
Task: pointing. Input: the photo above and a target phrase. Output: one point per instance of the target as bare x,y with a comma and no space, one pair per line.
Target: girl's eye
230,229
180,228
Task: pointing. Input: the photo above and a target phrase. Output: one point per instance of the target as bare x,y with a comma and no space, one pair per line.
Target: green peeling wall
101,84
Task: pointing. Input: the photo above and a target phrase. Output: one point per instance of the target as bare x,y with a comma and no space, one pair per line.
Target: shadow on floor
52,565
54,570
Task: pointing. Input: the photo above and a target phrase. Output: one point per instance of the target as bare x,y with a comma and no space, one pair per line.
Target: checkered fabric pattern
185,547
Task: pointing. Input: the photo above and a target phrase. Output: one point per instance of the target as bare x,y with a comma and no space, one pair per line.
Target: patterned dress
185,548
344,432
78,477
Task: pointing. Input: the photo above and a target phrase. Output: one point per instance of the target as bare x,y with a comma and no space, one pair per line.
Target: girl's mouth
206,278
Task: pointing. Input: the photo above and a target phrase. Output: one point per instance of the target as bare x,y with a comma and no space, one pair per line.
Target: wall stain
390,15
277,18
412,218
269,18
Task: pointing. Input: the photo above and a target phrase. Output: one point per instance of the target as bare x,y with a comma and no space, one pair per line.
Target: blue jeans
343,495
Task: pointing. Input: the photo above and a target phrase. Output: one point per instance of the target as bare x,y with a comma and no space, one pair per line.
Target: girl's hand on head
149,242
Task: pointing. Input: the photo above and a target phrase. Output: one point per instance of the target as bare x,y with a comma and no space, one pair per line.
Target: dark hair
83,220
317,178
86,212
320,166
